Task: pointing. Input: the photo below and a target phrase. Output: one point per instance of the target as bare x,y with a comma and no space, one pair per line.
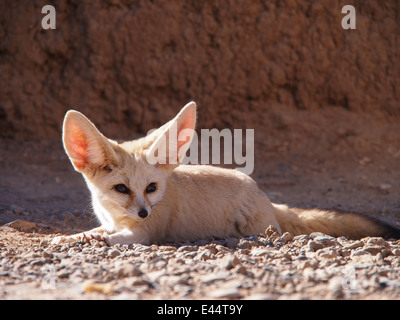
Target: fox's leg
124,236
127,236
98,233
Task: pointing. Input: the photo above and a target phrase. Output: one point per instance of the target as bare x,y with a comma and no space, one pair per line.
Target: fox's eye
122,188
151,187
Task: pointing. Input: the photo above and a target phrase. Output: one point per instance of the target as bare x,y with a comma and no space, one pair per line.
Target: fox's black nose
143,213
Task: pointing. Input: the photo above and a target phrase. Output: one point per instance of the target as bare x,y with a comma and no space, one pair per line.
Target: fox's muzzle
143,213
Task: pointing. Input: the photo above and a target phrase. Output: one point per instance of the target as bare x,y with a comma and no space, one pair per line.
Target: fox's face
129,188
123,183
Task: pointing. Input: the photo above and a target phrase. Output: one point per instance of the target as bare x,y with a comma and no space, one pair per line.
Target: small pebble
114,253
230,293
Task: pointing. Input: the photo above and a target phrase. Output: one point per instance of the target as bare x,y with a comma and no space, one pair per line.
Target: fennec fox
139,200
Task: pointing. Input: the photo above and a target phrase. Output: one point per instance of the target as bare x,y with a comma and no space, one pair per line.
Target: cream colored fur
299,221
190,202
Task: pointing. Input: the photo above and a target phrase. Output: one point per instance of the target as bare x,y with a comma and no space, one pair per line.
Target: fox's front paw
82,237
87,236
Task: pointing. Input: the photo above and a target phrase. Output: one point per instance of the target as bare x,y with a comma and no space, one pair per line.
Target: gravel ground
41,197
266,266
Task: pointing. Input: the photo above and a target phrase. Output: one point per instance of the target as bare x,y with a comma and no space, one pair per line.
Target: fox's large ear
175,138
86,147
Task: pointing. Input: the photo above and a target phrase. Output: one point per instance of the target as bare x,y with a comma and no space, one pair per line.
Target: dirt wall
130,65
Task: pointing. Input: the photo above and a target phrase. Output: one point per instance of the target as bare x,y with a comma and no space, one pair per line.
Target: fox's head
127,180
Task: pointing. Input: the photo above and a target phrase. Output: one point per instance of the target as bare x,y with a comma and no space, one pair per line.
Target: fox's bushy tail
334,223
